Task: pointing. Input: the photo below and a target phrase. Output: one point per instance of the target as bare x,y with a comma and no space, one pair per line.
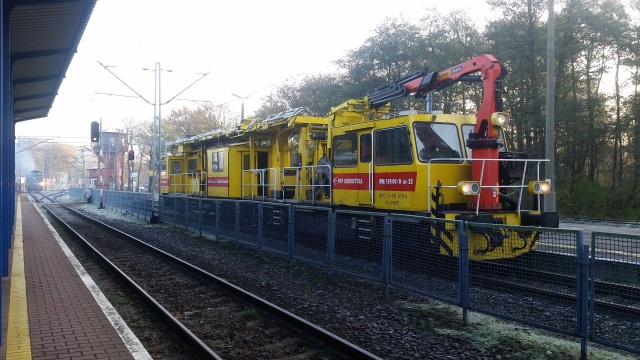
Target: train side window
246,163
365,148
345,150
217,161
176,167
393,146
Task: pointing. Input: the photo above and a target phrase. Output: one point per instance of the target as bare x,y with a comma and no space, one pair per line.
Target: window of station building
345,150
365,148
176,167
217,161
437,141
393,146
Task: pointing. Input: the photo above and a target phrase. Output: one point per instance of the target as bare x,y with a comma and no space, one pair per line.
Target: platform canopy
44,35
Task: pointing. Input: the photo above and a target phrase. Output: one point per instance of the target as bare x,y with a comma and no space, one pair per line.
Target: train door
255,182
395,175
247,177
217,179
365,170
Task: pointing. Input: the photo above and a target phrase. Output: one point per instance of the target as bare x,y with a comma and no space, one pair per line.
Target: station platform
52,309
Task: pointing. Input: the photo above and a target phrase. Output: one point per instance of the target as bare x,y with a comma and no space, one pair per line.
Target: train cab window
176,167
436,141
468,128
217,161
393,146
365,148
192,164
345,150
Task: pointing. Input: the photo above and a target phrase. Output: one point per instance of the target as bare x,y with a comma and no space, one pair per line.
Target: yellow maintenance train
363,156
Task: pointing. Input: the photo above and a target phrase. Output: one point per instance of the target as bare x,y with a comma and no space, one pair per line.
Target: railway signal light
131,155
95,131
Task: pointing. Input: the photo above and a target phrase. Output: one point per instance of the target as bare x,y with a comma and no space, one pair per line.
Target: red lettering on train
218,181
384,181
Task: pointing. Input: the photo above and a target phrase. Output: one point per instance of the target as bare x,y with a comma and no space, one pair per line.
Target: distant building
111,152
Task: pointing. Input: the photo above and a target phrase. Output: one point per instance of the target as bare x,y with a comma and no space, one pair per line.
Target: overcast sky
245,46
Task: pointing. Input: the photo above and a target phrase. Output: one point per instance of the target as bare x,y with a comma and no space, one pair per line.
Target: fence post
387,236
186,213
200,216
260,224
592,286
175,211
331,239
582,260
217,219
463,269
290,233
236,232
160,204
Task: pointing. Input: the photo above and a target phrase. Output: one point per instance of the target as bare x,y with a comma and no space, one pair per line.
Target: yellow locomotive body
361,156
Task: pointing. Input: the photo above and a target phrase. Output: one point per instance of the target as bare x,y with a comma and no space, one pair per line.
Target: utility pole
84,177
156,152
549,167
156,138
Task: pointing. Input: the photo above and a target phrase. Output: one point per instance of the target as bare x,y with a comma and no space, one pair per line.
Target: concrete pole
549,168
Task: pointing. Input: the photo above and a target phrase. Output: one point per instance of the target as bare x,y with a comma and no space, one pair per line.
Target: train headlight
539,187
469,187
500,119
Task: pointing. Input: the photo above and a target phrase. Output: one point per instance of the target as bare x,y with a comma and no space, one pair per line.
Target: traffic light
131,156
95,131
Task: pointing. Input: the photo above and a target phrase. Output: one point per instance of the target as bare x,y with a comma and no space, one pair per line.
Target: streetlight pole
241,106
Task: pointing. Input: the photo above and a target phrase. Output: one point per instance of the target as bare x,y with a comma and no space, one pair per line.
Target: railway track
612,222
611,297
216,318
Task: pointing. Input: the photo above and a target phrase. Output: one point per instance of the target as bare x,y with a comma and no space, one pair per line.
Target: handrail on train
521,187
193,185
312,172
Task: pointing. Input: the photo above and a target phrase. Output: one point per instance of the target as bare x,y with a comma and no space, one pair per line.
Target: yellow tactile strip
18,342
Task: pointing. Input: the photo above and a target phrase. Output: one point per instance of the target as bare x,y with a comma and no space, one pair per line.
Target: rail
285,229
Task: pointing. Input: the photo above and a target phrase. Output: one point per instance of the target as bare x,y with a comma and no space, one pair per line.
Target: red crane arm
490,73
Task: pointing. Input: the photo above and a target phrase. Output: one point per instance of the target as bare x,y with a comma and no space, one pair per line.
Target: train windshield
436,141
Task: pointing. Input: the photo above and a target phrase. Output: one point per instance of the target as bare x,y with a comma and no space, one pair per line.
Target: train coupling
549,219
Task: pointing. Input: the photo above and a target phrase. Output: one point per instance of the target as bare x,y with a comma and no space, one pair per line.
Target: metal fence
616,274
553,293
575,284
140,204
